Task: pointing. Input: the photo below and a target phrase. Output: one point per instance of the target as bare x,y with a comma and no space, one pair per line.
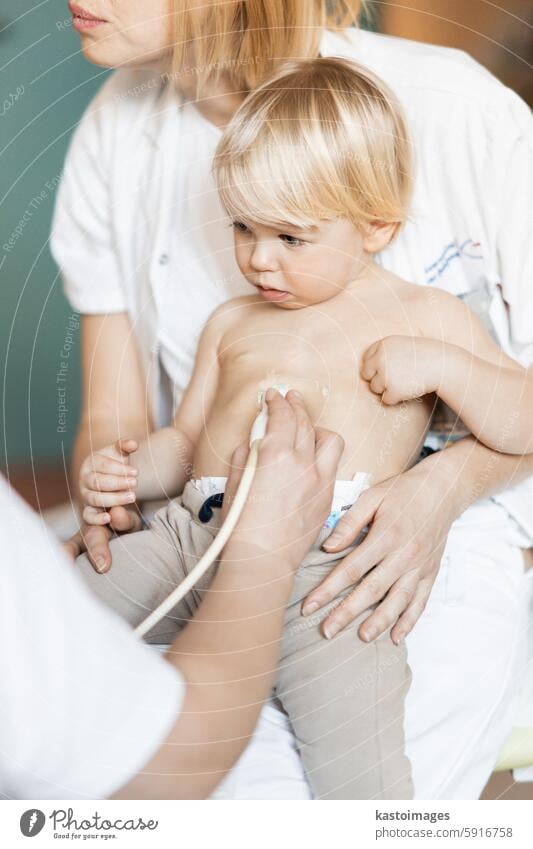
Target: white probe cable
256,435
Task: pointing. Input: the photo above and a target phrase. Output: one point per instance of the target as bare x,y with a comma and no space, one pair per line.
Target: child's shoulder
226,315
233,309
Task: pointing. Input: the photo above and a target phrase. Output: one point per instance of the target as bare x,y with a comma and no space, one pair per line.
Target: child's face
294,268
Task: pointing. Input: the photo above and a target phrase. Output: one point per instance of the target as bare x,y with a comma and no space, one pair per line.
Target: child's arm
165,459
491,393
162,463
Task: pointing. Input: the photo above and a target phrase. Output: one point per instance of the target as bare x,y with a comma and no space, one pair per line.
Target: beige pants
344,697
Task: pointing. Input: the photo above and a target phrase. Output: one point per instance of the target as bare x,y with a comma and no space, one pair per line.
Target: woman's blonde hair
247,40
321,139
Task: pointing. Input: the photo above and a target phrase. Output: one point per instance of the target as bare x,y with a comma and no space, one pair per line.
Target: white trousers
468,653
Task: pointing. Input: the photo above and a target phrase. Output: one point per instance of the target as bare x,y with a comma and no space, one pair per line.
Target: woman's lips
82,19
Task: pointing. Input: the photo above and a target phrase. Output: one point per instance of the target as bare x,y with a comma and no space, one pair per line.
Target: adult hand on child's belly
397,563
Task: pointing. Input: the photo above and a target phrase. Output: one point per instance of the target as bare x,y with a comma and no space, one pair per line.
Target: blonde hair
247,40
323,138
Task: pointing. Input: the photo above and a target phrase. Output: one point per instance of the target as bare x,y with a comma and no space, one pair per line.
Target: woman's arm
113,388
113,404
228,653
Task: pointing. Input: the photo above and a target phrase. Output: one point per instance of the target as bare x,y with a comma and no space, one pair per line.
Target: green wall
45,87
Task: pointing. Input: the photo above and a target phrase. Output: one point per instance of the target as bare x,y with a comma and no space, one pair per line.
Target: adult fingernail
100,563
310,608
330,630
270,394
331,541
397,640
369,634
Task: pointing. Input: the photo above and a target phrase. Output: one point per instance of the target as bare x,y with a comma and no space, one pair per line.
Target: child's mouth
273,294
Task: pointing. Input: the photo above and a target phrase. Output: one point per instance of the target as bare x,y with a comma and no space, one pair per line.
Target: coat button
163,259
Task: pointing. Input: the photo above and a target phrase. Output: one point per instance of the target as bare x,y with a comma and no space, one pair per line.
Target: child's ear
377,235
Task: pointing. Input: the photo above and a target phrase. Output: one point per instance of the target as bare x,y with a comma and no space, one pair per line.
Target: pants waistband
202,498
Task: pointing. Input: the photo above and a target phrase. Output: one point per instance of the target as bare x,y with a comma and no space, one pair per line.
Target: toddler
315,172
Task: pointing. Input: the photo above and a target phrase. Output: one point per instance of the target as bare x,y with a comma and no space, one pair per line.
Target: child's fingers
108,483
391,398
126,446
106,499
368,369
368,365
125,519
94,516
106,465
372,349
377,384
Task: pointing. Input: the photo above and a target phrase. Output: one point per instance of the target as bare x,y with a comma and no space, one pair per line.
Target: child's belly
378,439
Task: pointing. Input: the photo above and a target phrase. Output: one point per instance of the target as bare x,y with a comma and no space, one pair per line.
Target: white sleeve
82,236
511,177
511,167
84,704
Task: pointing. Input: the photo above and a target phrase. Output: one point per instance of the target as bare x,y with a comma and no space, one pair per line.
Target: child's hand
403,367
107,479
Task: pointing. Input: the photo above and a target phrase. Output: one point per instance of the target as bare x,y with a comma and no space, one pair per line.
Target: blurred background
46,85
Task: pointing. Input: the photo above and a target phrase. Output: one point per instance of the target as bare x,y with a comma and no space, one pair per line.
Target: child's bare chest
319,354
316,351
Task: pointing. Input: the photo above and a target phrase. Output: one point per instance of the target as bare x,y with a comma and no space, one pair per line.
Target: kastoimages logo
32,822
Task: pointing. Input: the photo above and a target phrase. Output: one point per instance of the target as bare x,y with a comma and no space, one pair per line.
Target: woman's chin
98,53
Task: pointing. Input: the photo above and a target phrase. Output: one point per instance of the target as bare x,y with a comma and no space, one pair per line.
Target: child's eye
291,241
239,225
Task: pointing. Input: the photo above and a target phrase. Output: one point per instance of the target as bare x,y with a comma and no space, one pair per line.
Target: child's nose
263,257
